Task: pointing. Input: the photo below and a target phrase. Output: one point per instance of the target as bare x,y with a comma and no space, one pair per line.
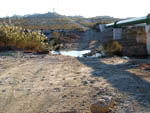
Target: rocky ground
51,84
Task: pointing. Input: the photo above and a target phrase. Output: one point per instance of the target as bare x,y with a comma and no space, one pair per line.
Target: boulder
103,105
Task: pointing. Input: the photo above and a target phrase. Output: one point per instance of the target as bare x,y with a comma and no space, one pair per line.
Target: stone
55,53
103,54
1,59
85,82
97,55
125,57
57,89
32,56
3,90
23,80
103,105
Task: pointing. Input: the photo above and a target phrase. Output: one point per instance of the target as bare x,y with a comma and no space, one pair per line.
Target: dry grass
113,47
12,37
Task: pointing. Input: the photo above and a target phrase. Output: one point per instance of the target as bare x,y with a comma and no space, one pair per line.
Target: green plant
113,48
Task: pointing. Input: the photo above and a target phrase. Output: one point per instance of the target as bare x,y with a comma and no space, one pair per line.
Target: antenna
53,10
57,6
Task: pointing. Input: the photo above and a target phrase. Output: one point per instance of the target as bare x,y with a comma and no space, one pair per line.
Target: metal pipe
109,25
128,22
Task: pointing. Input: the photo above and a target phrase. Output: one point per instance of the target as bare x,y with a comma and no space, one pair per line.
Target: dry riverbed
55,83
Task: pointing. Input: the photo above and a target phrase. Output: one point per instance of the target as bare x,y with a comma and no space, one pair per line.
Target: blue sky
87,8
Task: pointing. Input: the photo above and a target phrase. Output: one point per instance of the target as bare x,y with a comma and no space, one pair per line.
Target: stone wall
134,41
135,33
141,36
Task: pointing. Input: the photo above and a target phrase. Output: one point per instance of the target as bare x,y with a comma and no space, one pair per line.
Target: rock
85,82
55,53
125,57
57,89
103,105
32,56
145,67
98,55
103,54
1,59
42,79
0,82
23,80
3,90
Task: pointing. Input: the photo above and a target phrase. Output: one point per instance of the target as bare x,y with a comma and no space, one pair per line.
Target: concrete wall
141,36
147,28
117,33
134,41
102,27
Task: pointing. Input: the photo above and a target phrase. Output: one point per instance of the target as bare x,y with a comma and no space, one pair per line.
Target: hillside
55,21
94,20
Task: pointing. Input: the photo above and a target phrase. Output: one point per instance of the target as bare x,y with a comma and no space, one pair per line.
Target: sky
86,8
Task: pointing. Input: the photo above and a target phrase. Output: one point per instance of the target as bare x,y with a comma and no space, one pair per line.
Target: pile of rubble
98,52
94,53
145,67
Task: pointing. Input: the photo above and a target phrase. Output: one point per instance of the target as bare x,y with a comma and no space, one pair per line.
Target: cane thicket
13,37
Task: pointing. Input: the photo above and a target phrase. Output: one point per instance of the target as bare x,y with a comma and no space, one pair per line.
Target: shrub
113,48
12,37
54,42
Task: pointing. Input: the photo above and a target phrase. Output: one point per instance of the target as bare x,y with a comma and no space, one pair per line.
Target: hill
55,21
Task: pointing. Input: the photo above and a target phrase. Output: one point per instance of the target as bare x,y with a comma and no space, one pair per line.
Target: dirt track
44,84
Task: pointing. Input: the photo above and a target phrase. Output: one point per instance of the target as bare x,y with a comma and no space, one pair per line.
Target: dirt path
65,84
76,22
91,38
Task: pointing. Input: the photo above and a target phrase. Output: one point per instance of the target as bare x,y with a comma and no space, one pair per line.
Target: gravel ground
51,84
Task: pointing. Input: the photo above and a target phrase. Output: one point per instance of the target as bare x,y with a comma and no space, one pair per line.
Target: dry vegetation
113,47
59,40
45,23
12,38
54,21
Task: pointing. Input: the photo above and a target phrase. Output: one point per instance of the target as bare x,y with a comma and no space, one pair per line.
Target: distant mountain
46,15
104,19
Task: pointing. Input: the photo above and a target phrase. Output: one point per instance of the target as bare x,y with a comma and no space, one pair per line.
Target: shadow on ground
118,75
120,78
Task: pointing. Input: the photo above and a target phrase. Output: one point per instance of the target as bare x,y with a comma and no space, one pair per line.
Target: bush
54,42
12,37
113,48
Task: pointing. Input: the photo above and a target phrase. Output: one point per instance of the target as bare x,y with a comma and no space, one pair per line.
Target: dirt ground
51,84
